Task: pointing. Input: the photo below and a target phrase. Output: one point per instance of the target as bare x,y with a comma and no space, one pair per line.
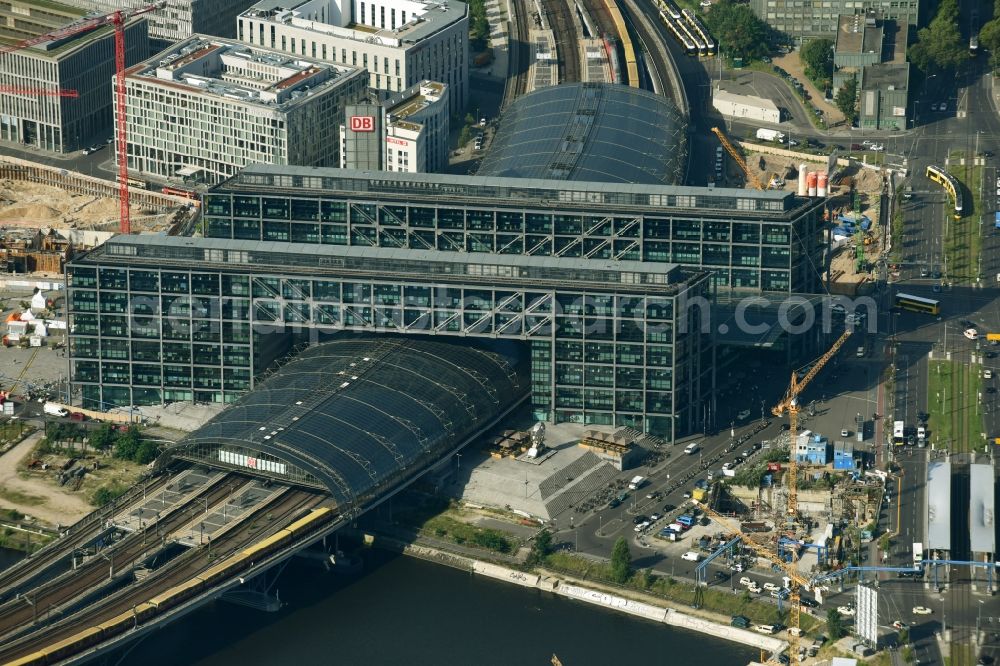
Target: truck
770,135
53,409
636,482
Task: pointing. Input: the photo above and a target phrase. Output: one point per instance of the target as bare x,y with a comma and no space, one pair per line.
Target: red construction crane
41,92
117,20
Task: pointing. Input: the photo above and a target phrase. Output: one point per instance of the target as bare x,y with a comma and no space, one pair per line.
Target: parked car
754,587
846,610
971,333
641,526
771,587
898,624
844,432
743,414
922,610
746,582
809,603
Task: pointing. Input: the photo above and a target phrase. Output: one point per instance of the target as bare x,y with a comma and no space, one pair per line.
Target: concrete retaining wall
611,601
505,574
752,638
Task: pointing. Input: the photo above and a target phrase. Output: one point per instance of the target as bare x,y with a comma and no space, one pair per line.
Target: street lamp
979,620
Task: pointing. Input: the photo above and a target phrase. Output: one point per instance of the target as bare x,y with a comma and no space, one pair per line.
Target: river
410,612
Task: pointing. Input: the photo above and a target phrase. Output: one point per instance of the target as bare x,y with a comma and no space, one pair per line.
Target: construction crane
796,580
751,178
40,92
790,402
117,20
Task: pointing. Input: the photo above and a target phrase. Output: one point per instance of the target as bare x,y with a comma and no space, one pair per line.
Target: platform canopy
982,519
939,506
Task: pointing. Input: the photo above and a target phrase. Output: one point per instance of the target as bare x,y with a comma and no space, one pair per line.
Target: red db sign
362,123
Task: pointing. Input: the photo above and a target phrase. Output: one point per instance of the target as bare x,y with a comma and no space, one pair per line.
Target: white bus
898,438
918,553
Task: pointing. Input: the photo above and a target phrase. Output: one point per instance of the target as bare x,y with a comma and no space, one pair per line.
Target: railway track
520,54
183,568
31,568
567,42
67,587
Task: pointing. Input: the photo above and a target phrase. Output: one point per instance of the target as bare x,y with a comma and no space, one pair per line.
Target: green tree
939,46
479,26
102,438
739,29
834,624
127,444
989,38
621,562
817,56
540,547
146,452
847,101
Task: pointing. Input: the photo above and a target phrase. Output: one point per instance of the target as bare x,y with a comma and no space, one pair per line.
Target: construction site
857,234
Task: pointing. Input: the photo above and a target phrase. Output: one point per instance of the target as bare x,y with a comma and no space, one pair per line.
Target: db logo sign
362,123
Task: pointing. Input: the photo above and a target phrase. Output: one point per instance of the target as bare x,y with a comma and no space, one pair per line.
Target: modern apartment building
804,19
408,132
31,113
399,42
207,107
160,318
755,241
178,19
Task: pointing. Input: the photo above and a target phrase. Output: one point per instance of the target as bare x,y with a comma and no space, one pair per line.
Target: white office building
178,19
399,42
407,132
207,107
57,94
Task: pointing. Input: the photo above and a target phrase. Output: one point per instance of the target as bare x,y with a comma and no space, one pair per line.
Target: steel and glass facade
749,240
162,319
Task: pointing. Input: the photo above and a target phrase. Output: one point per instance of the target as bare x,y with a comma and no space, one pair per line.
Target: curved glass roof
598,132
365,413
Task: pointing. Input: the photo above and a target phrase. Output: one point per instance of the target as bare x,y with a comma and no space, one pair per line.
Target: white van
764,628
691,556
691,448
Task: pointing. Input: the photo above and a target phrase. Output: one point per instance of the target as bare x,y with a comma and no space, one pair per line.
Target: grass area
715,599
896,232
17,497
961,654
11,431
469,535
953,390
23,541
962,242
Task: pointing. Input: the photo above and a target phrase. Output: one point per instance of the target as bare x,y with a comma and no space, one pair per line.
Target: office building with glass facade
804,20
749,240
160,319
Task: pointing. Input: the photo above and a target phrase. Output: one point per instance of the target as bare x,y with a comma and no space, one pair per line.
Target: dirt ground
36,497
35,205
791,64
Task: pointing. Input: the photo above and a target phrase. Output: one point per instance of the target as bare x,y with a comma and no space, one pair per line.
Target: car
987,374
936,274
991,354
809,603
738,568
727,466
986,153
966,323
655,517
691,448
740,621
991,389
738,460
792,142
687,494
87,151
641,526
844,432
878,148
743,414
984,660
924,271
721,575
898,624
746,454
639,519
846,610
867,143
771,587
655,495
755,446
971,333
943,106
922,610
667,508
934,106
754,587
936,288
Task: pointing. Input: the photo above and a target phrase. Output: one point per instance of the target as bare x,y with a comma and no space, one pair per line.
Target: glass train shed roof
362,414
590,132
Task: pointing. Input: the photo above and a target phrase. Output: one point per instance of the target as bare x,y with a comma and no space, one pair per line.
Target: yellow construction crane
790,402
751,178
796,580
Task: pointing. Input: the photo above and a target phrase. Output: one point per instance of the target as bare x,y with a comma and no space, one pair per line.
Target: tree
102,438
939,46
479,25
817,56
739,29
146,452
846,99
834,624
989,37
127,444
621,562
540,547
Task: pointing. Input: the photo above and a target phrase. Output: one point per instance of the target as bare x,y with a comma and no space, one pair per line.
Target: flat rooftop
982,509
239,72
414,100
736,203
423,18
939,506
21,20
405,264
855,34
881,77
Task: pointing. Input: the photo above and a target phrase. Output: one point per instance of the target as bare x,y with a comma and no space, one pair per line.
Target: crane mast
751,178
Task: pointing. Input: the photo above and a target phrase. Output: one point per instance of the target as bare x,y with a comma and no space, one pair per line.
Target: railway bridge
341,427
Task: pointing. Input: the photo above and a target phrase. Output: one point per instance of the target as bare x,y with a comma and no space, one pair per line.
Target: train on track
631,62
687,29
175,595
950,185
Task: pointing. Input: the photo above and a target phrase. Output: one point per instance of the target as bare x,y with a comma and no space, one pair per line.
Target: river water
410,612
